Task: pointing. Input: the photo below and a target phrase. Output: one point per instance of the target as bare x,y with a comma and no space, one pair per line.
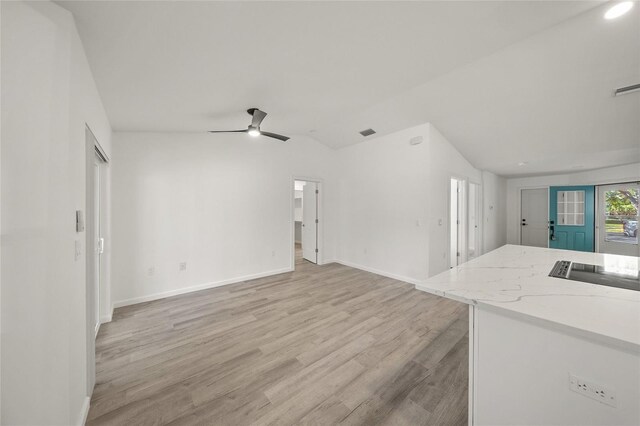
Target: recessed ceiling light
522,163
618,10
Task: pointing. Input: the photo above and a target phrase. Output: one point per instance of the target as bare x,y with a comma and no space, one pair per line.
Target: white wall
394,203
48,95
628,173
221,203
444,162
494,208
384,205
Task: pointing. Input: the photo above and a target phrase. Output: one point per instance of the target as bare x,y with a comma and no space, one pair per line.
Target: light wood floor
321,345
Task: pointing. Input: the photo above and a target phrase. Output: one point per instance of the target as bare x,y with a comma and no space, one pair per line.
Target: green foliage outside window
622,202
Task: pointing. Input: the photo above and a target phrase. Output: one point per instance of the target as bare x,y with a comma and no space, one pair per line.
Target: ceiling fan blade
275,136
258,116
227,131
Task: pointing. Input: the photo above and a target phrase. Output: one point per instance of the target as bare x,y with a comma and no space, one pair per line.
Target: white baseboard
84,411
198,287
379,272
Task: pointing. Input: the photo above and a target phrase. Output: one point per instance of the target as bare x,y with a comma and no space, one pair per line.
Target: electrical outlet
151,271
183,266
592,390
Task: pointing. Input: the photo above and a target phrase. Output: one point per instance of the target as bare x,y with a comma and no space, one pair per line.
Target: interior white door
310,222
617,219
534,217
473,241
97,248
457,223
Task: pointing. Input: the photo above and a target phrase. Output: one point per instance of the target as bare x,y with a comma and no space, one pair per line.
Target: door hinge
316,220
316,250
317,191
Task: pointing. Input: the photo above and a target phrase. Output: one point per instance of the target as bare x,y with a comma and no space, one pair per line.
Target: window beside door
617,225
621,215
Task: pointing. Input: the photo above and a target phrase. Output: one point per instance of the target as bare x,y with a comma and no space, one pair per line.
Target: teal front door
571,217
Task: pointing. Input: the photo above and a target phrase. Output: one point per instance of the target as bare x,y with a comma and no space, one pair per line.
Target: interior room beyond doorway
306,210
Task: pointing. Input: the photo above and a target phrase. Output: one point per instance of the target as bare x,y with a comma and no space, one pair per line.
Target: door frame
292,222
553,206
519,218
93,150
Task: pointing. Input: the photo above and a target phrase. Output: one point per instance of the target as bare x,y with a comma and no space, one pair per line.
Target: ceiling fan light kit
254,128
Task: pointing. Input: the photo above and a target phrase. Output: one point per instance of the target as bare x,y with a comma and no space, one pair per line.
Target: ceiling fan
254,127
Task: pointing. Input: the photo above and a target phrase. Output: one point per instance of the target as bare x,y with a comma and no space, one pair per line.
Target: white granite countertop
515,278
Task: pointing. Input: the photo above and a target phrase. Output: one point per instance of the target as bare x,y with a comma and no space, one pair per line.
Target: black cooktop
595,274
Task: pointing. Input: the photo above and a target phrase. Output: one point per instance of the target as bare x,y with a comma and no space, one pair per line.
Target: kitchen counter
549,350
515,278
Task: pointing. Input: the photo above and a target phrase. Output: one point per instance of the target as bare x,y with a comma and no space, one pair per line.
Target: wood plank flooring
320,346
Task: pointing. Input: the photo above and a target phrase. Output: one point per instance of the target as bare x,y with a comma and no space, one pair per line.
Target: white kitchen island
547,350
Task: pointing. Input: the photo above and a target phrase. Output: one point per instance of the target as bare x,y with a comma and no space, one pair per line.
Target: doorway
457,222
617,219
534,216
98,243
306,221
95,206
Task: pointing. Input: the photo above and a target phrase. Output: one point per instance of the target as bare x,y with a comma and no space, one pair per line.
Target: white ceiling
330,69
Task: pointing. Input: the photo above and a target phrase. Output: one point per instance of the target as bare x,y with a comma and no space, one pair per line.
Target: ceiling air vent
367,132
625,90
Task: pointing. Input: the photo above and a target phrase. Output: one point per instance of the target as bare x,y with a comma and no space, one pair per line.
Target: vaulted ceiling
505,82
